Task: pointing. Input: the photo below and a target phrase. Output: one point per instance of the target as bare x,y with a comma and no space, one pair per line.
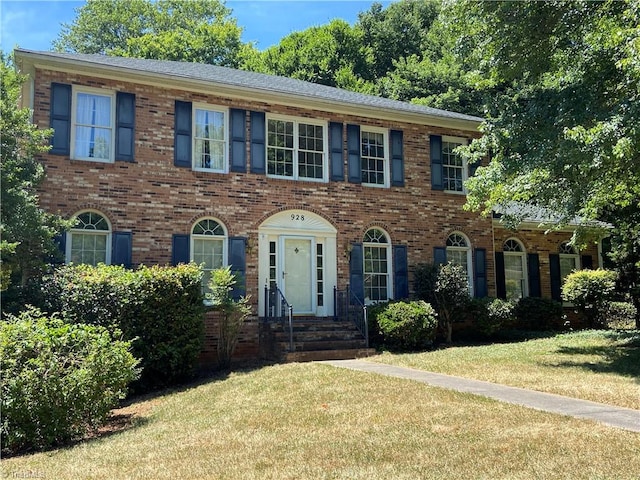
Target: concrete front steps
319,338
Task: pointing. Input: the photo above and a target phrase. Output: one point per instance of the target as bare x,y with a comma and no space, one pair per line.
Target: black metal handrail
277,309
347,306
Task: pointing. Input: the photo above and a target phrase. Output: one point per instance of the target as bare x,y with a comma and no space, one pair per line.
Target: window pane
514,276
373,158
93,128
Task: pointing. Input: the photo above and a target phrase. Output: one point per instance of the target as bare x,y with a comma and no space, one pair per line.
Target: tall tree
197,31
562,128
27,231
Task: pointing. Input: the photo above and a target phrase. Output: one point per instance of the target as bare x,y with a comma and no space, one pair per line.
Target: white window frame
296,140
385,140
564,256
78,89
466,249
194,137
465,165
522,254
389,259
211,238
77,231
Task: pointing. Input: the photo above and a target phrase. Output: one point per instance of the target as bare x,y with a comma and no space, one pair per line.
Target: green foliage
195,31
59,380
452,293
620,315
425,277
233,312
538,314
159,309
408,325
27,231
491,315
589,291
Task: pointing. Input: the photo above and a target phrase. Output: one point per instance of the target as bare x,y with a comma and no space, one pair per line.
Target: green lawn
596,365
314,421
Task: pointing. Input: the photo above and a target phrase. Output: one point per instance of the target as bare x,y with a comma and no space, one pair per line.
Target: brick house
303,186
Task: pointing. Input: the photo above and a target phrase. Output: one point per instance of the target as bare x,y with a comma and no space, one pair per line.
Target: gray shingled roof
255,81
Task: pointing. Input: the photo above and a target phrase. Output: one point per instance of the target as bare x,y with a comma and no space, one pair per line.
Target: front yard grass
314,421
597,365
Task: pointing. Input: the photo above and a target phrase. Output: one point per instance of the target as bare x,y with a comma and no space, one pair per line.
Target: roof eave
28,61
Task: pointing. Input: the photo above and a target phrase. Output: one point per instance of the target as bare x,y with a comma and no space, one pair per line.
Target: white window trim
465,164
525,272
76,89
224,239
69,234
296,122
387,167
389,263
217,109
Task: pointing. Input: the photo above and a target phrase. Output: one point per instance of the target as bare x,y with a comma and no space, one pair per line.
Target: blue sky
34,25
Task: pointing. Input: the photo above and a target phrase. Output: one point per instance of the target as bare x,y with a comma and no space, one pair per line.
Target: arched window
89,241
569,260
208,247
515,266
377,266
459,252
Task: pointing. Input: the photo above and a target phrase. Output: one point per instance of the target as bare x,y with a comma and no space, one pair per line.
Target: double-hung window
89,241
377,265
454,167
374,157
93,118
208,247
210,139
515,269
296,149
459,252
569,260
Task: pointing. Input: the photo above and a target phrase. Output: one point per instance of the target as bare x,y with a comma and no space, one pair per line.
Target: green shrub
59,380
159,309
425,278
589,291
232,312
620,315
376,339
491,315
538,314
408,325
452,294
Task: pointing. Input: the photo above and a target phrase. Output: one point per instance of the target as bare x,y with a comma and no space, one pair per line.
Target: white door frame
287,273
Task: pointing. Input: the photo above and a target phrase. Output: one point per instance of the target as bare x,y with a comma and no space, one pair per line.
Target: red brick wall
155,199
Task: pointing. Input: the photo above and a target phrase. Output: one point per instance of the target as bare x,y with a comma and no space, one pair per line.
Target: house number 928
296,217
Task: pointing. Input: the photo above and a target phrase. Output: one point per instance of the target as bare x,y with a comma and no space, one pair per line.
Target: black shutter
61,242
480,270
125,126
501,284
353,151
60,118
337,151
439,255
180,249
237,140
400,272
182,139
397,159
258,139
587,262
435,147
356,271
121,243
238,263
533,271
556,284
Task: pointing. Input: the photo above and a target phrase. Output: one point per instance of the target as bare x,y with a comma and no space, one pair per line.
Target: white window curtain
93,126
209,143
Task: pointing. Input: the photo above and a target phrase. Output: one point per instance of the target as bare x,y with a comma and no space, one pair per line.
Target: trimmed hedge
159,309
491,315
538,314
59,380
590,291
408,325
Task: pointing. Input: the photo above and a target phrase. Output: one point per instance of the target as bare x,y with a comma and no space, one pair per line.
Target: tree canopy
27,231
197,31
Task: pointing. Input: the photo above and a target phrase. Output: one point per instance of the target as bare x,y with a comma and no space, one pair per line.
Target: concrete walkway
625,418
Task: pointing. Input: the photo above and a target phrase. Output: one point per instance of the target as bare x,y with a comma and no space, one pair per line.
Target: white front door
297,268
